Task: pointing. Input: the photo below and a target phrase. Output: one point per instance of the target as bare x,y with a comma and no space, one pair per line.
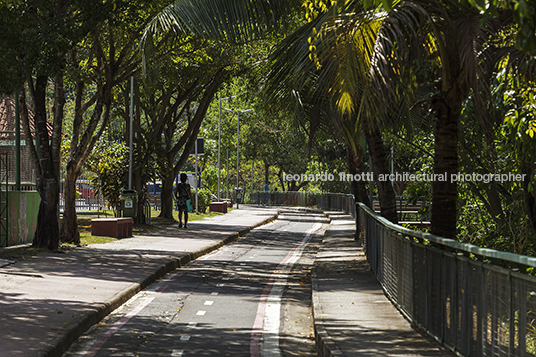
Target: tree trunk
187,141
47,231
138,185
79,153
266,172
167,197
281,181
529,195
355,167
495,206
69,229
380,166
359,188
445,192
46,165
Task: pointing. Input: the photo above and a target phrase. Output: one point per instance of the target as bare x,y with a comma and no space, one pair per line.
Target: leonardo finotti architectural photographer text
405,177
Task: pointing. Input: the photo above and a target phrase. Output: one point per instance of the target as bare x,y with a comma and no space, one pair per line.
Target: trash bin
129,203
239,195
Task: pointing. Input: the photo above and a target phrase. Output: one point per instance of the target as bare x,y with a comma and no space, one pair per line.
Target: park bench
112,227
218,207
408,213
154,200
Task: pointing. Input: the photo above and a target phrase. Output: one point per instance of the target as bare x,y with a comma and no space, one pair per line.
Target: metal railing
326,201
88,199
476,301
147,211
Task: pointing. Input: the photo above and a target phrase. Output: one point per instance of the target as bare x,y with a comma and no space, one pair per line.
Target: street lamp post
238,112
130,132
219,141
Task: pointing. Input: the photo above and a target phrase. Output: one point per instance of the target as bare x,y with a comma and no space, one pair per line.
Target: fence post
357,220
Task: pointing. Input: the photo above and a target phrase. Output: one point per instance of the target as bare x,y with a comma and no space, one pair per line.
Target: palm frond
235,21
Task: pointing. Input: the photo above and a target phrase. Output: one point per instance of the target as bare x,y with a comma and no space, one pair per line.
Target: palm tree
446,35
334,77
235,21
449,36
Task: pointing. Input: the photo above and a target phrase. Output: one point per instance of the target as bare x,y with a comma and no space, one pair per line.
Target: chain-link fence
476,301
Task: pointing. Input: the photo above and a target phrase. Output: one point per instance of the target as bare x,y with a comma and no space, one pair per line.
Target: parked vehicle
154,187
84,189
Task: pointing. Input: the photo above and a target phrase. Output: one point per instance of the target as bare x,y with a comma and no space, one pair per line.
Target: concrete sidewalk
48,301
353,317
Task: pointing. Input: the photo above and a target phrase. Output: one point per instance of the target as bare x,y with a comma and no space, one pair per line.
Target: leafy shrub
204,199
109,163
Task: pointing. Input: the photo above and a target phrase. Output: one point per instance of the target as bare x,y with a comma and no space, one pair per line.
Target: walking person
183,193
266,193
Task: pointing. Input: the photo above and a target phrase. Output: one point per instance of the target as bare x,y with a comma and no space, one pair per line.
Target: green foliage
210,177
519,127
109,163
524,15
497,215
267,138
204,197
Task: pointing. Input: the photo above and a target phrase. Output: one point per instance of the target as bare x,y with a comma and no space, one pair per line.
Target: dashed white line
185,337
209,302
177,353
201,313
192,325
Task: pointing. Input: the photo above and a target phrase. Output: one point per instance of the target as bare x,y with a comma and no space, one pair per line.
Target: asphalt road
251,298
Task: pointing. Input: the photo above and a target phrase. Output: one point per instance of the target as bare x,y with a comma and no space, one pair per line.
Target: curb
325,346
58,346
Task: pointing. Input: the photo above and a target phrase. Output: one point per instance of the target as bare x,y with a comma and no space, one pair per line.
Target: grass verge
23,252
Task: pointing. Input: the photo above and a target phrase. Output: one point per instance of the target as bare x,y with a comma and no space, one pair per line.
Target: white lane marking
209,303
177,353
192,325
220,285
265,332
123,321
201,313
185,337
214,293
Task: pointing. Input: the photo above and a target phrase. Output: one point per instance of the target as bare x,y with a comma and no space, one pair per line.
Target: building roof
7,118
